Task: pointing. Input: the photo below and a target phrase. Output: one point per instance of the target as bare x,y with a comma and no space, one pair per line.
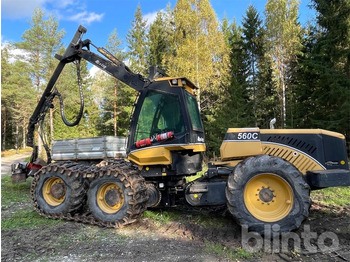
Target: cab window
160,113
194,112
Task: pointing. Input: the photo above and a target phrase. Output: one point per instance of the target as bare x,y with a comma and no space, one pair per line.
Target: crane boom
77,50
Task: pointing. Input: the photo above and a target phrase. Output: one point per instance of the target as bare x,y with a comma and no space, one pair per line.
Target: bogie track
134,192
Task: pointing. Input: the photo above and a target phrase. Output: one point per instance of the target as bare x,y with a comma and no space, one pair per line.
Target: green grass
31,257
338,196
18,195
230,253
12,152
14,193
162,217
200,218
26,219
209,221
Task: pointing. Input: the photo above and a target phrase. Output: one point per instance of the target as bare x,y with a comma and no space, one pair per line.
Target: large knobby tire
118,196
57,191
267,190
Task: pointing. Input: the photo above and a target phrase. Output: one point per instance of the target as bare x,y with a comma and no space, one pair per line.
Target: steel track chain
89,173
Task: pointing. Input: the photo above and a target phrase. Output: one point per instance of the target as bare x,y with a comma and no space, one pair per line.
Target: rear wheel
118,196
110,197
268,197
265,190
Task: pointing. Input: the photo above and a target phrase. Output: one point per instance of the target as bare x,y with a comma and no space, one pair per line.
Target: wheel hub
58,190
112,197
54,191
266,195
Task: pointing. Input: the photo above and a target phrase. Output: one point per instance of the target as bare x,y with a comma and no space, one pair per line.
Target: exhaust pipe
272,123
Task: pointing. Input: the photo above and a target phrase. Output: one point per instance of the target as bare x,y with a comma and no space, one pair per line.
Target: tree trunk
37,78
4,116
197,65
280,65
51,124
283,101
17,137
24,132
254,92
115,110
40,142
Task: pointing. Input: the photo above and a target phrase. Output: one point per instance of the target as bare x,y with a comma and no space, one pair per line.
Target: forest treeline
269,66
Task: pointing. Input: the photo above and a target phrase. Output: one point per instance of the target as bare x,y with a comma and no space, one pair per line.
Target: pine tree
283,35
137,43
40,42
5,96
116,98
18,101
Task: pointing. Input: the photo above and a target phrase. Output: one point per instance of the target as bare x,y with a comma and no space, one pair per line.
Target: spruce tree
235,109
160,39
253,47
226,29
137,43
323,92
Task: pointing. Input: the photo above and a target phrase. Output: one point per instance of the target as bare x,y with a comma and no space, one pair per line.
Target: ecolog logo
274,241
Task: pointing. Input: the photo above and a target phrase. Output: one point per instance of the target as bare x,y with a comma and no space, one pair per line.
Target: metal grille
293,142
299,160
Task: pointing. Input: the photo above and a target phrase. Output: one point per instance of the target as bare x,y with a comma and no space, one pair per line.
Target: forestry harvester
264,176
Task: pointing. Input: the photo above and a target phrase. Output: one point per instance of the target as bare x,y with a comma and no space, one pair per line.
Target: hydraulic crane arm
114,67
77,50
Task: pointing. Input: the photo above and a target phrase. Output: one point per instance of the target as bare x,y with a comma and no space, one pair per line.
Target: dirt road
6,162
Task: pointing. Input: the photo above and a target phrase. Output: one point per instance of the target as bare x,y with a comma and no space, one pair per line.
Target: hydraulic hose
80,115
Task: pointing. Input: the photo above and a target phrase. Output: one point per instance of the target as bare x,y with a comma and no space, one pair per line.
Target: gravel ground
188,238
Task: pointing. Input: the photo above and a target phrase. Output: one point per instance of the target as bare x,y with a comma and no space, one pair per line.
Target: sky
100,17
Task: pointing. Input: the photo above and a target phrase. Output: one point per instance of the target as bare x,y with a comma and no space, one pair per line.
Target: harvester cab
166,132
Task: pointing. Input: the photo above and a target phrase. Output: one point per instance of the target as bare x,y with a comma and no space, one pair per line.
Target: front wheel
57,190
267,190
